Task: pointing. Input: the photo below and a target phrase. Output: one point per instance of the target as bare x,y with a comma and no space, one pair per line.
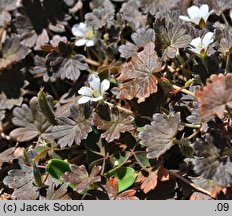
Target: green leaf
41,154
37,176
125,177
56,168
119,158
140,129
141,158
46,108
25,157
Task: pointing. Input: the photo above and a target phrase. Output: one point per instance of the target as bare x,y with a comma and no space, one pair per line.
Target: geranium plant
118,100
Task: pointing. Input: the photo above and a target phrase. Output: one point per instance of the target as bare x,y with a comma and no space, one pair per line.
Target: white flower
85,36
197,15
200,46
96,91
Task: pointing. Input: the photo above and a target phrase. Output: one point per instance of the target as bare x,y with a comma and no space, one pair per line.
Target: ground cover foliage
121,99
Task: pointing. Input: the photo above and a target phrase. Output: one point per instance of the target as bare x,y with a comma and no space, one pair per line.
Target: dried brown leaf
137,77
111,188
199,196
149,180
215,96
80,177
119,122
141,37
163,174
73,128
159,136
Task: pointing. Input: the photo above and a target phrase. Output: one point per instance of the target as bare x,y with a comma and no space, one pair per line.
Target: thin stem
119,107
104,163
94,52
193,134
92,62
146,117
39,166
227,69
191,184
190,125
186,62
183,90
224,19
179,57
179,89
100,54
180,142
62,149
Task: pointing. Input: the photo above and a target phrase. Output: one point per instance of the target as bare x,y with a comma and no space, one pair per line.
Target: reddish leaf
211,162
137,77
163,174
149,180
216,190
159,136
141,37
119,123
199,196
111,188
80,177
127,195
215,96
170,37
226,42
73,128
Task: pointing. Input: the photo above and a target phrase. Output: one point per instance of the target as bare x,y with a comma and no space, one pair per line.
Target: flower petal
94,82
207,15
80,42
185,18
196,42
196,50
90,43
85,91
208,39
77,31
194,12
84,99
82,26
105,85
196,20
204,9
